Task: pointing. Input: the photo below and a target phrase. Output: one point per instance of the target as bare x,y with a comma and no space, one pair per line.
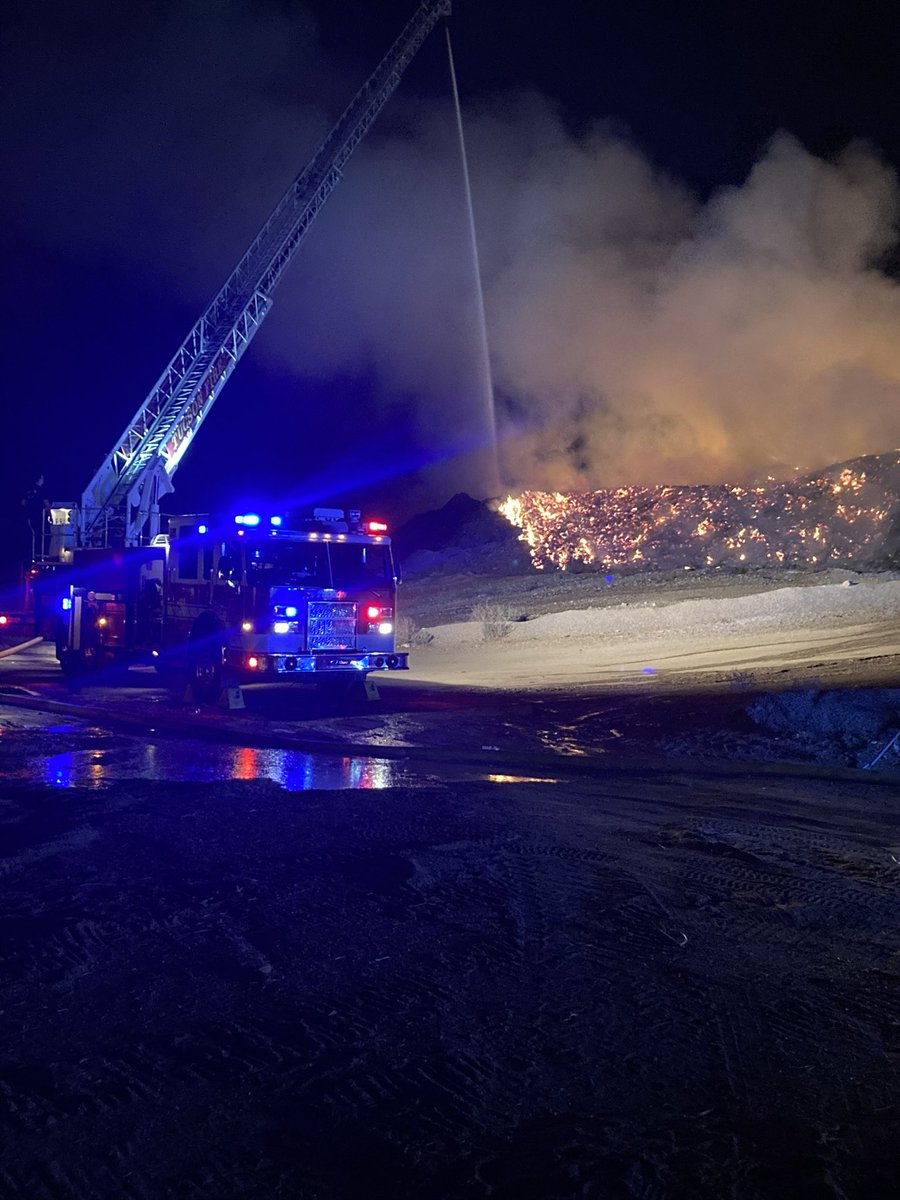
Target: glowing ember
842,515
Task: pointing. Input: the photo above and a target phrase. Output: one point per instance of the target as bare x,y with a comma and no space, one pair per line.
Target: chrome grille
331,626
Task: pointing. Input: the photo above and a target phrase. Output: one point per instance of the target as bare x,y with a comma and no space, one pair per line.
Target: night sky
612,150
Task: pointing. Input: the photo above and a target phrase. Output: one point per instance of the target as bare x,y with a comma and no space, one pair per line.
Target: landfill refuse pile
844,515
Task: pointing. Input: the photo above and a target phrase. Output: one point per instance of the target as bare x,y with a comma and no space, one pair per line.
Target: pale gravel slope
783,630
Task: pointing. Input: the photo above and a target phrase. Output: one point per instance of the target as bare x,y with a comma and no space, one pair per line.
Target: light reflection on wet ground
101,758
195,762
186,761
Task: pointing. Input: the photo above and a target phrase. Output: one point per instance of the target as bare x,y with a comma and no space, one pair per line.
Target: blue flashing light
247,519
202,529
290,611
276,521
648,670
609,578
66,603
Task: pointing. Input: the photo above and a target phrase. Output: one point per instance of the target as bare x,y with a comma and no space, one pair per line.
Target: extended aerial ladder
120,506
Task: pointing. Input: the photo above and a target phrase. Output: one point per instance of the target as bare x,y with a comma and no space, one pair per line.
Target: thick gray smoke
637,334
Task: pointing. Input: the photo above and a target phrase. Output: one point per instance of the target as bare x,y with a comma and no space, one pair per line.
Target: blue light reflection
191,762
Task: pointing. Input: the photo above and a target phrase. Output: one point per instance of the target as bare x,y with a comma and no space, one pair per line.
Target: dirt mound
845,725
466,535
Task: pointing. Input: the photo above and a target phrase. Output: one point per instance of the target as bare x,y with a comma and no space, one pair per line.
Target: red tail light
376,526
4,620
373,612
252,662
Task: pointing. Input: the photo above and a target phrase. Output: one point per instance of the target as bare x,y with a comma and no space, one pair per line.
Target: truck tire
206,678
206,645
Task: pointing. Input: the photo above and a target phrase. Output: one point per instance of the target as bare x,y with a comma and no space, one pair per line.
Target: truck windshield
356,565
284,562
317,564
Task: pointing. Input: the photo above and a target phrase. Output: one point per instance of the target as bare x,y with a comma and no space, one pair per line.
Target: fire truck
243,600
268,599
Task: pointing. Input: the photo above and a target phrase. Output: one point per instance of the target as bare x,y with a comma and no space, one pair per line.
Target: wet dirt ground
281,953
651,982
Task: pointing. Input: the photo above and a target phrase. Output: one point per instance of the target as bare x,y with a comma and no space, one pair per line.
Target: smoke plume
638,334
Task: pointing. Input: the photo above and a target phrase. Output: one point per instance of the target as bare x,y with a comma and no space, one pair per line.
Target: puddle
200,762
518,779
89,757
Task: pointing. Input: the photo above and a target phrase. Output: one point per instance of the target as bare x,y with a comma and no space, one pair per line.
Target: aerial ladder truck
136,602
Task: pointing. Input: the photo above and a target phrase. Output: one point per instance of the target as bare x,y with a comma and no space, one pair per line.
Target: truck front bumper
263,665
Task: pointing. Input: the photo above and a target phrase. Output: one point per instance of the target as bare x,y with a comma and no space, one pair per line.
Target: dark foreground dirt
651,983
668,969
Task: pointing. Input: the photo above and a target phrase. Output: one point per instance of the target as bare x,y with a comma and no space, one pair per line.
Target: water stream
487,382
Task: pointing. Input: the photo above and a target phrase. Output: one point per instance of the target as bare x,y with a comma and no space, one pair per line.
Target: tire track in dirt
519,991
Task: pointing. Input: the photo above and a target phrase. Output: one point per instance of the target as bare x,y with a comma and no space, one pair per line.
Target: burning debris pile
845,515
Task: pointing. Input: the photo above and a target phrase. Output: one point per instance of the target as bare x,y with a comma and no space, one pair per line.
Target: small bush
741,681
411,633
495,620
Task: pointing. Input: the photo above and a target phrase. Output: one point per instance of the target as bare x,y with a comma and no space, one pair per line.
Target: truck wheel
205,659
206,677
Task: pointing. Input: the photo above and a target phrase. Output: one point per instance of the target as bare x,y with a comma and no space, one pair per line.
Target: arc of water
494,481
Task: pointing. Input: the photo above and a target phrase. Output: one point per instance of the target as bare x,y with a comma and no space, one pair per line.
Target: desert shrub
496,620
740,681
411,633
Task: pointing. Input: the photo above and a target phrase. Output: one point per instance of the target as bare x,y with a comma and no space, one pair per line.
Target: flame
800,522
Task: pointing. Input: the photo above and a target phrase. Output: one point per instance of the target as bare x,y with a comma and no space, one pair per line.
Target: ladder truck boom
122,498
